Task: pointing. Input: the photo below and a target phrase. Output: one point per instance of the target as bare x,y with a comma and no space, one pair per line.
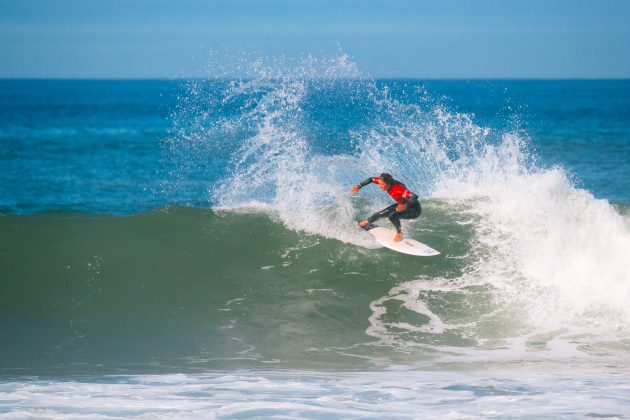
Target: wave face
266,269
190,289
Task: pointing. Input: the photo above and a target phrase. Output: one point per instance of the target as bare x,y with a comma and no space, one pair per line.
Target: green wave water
186,289
190,287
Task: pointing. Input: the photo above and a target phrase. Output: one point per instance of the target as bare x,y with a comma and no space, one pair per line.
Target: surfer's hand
363,223
401,207
354,189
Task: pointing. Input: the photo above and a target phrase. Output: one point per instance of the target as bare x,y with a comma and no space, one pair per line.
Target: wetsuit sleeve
365,182
413,200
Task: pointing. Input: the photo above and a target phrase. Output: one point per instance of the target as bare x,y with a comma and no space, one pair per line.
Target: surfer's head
385,181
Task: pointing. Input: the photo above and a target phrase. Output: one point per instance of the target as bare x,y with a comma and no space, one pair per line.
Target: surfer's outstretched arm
361,184
365,182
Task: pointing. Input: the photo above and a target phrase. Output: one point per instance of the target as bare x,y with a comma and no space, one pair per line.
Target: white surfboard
385,237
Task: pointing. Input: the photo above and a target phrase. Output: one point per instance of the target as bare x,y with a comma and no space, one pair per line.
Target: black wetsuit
402,195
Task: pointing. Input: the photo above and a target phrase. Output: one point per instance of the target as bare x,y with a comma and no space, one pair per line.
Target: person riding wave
407,205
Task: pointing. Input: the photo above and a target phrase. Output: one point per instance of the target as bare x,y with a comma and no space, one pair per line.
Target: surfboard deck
385,237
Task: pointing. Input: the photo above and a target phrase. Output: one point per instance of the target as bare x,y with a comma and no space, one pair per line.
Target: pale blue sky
420,39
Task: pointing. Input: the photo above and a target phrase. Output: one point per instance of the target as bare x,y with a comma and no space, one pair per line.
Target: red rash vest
398,192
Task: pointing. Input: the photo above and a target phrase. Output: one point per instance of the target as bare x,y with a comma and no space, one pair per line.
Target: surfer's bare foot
363,223
398,237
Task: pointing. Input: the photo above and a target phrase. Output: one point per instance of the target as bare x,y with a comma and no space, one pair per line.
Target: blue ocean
189,249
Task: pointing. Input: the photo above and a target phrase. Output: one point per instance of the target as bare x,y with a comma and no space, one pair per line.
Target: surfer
407,205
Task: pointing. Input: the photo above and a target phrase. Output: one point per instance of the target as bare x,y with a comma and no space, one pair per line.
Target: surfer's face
382,184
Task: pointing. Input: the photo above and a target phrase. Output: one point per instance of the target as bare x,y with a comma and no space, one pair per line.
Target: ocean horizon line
438,79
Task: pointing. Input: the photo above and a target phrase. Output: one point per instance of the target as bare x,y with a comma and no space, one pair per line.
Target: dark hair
387,178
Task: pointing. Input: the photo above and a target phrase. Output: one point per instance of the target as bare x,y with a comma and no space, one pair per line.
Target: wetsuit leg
386,212
409,213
